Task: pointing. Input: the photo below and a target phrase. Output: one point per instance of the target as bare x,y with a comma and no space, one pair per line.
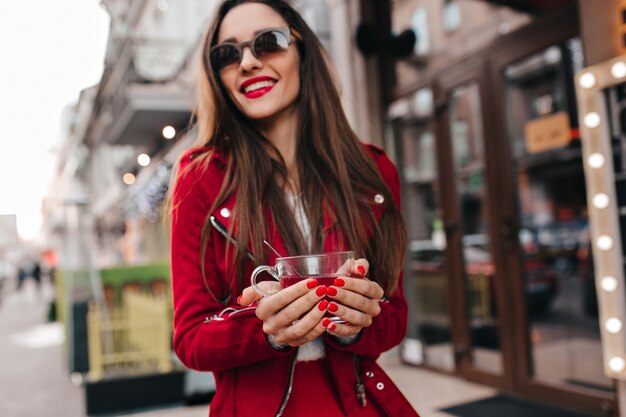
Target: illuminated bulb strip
604,242
596,160
617,364
601,201
587,80
613,325
591,85
608,283
592,120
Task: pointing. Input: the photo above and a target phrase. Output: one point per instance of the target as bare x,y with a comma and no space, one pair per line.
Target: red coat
251,376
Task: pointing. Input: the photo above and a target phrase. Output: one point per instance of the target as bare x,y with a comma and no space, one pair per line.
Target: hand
293,316
355,300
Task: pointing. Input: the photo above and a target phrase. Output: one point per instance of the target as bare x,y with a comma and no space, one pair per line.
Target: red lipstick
258,92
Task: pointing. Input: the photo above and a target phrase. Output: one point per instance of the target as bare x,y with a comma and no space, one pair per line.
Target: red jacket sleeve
204,339
389,327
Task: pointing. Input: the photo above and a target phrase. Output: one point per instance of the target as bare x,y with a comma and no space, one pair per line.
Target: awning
142,113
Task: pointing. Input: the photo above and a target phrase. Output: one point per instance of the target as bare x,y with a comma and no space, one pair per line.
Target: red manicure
312,283
326,322
321,290
331,327
361,269
339,282
332,291
332,307
322,306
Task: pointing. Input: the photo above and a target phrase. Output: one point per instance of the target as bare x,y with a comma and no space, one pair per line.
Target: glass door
414,148
468,206
553,313
562,332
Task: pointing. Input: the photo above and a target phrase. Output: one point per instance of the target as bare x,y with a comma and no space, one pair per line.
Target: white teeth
256,86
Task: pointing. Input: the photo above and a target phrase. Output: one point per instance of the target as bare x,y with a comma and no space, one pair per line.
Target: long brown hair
335,170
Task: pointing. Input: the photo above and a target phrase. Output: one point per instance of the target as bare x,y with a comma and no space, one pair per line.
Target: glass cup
290,270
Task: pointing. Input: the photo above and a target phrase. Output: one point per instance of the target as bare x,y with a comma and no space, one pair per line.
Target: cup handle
256,272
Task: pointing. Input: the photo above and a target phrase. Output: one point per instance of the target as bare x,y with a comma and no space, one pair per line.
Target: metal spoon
273,250
281,256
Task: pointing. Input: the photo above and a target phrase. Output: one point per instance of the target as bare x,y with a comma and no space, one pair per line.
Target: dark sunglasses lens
223,56
270,42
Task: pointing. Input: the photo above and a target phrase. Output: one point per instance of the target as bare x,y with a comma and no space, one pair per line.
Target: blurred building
481,118
475,102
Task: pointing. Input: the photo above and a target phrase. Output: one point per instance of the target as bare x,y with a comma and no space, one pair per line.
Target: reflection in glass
554,236
428,338
419,24
469,170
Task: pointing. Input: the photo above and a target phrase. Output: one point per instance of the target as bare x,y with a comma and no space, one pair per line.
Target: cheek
228,81
294,78
230,87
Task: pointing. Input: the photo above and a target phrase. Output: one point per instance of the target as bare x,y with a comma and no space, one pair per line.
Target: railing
432,297
132,339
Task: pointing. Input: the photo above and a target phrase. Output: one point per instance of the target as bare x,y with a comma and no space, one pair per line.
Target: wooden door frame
474,71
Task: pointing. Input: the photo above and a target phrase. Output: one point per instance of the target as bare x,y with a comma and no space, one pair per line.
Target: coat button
380,386
225,212
379,199
369,374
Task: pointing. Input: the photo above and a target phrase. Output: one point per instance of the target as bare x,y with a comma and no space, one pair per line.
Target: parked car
540,280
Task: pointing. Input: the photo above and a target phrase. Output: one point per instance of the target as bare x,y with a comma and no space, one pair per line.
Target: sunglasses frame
288,32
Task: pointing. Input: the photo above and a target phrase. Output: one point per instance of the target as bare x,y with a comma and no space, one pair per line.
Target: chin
259,114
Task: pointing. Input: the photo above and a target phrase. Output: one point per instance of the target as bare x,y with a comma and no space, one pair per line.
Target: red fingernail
322,306
332,307
239,299
312,283
339,282
361,269
321,290
326,322
331,327
332,291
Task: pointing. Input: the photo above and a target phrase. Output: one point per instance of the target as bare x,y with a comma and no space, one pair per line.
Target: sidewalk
34,381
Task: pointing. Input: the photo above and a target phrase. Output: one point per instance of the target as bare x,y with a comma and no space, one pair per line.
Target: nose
249,61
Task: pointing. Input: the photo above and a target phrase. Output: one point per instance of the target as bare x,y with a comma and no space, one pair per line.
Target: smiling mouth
258,86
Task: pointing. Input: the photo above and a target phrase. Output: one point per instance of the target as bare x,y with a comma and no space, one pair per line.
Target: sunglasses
264,44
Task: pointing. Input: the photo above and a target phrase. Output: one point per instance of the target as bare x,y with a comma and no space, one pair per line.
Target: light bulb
596,160
608,283
128,178
143,160
604,242
601,200
592,120
613,325
587,80
617,364
618,70
168,132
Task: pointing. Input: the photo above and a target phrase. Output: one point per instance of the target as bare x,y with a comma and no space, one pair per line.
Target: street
33,380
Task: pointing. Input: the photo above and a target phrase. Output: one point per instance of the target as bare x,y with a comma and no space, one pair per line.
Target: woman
277,161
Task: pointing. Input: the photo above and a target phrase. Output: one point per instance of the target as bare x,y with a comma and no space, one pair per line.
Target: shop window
419,24
451,16
445,31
